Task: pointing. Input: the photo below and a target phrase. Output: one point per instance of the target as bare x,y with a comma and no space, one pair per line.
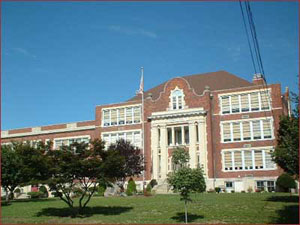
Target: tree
79,168
133,165
286,154
180,157
11,175
21,164
187,180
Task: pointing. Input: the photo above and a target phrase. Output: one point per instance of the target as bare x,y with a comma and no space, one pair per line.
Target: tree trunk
185,212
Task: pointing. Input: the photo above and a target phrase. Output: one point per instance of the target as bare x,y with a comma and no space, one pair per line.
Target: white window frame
251,129
263,152
131,107
177,101
67,138
268,90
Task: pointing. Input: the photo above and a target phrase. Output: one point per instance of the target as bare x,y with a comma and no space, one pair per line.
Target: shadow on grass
15,201
86,212
287,215
292,198
180,217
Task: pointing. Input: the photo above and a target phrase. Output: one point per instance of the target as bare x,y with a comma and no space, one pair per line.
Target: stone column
203,145
164,152
154,148
182,136
173,135
193,144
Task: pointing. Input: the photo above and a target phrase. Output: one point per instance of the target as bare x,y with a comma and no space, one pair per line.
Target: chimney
258,79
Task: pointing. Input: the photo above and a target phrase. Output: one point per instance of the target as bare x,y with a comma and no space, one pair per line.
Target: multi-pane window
225,105
58,143
235,104
248,102
177,99
236,131
268,161
264,185
247,160
260,185
238,160
129,115
226,132
178,135
106,117
133,137
254,101
137,114
264,96
247,130
228,161
245,103
258,159
256,129
267,128
113,117
229,184
248,164
270,186
121,116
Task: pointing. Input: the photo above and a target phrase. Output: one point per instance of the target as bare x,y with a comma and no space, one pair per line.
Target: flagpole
143,127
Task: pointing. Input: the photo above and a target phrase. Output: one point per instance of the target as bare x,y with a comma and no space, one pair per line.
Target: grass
206,208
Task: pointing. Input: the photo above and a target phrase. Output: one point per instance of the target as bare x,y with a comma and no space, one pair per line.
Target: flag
141,90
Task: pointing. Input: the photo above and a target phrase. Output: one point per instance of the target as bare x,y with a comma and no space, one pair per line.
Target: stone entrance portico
184,128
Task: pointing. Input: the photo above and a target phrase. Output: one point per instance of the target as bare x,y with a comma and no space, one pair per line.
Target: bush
243,191
148,190
218,189
153,182
232,191
285,182
35,194
43,189
17,191
131,187
250,190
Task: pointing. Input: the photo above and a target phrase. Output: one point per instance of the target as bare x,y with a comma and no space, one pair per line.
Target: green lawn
205,208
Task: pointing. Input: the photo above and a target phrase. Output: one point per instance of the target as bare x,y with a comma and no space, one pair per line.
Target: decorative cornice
177,114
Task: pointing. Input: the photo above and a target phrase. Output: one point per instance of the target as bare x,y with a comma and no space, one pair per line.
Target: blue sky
60,60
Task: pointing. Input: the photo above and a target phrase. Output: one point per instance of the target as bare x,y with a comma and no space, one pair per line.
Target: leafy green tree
186,180
22,164
79,168
286,154
133,157
11,173
180,157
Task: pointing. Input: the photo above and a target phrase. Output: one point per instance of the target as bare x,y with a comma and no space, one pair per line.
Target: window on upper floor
247,102
177,99
247,130
121,116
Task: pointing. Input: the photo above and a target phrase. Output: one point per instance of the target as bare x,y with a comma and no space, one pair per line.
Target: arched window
177,99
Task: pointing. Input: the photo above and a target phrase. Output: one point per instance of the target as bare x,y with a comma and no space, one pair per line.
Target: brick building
228,125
